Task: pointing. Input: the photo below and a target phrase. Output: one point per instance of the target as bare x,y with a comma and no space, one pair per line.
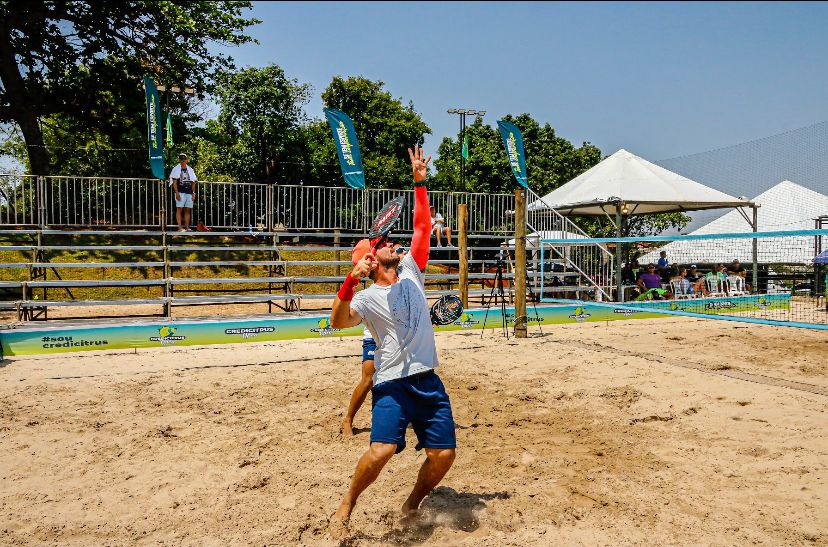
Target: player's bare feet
338,526
347,428
338,529
408,517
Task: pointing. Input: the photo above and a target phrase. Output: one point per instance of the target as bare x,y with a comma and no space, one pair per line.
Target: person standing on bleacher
183,181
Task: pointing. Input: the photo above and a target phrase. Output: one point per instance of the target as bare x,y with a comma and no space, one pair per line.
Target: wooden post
463,246
520,264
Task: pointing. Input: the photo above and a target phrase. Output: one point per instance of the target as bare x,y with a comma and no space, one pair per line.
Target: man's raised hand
418,164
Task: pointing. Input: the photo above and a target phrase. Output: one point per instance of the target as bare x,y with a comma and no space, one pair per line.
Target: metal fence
32,201
19,203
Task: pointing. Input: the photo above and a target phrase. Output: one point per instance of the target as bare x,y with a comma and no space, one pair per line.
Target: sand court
666,431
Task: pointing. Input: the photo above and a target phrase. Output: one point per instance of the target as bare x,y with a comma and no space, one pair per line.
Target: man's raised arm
421,240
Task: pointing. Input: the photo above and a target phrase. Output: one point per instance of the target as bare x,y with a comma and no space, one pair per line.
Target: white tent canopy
644,187
784,207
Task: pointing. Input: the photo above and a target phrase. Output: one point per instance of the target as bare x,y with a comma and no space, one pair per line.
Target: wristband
420,183
346,291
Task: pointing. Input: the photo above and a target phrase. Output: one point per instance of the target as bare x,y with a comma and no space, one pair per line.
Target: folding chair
736,285
714,286
680,291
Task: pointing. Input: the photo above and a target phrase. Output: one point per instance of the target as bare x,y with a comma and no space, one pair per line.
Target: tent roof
644,186
786,206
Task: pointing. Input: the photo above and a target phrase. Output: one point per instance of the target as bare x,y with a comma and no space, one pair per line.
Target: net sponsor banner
347,147
33,341
154,130
513,141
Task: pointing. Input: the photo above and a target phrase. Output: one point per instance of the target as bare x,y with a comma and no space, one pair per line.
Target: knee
382,452
442,457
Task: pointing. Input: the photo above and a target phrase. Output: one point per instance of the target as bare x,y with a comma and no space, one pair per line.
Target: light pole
463,112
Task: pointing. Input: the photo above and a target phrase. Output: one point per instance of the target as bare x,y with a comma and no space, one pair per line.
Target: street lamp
463,112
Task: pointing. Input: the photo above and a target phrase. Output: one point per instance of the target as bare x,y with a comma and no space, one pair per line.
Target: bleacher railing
592,260
36,201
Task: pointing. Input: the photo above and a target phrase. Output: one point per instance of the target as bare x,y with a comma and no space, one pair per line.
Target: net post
520,264
463,249
755,250
619,280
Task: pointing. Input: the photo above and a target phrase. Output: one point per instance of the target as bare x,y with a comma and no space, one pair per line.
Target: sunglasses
400,250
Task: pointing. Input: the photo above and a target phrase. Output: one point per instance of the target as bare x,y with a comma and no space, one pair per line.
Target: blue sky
659,79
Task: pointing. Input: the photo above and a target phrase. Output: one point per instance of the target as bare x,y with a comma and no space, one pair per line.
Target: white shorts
185,201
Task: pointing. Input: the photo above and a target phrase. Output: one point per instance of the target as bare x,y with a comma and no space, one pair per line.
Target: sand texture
650,432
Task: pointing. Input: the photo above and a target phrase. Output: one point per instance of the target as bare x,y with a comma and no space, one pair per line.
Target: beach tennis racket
385,221
446,310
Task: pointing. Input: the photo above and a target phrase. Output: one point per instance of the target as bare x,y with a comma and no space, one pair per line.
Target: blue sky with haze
659,79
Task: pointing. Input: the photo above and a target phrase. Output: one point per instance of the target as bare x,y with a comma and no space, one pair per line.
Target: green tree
550,160
385,127
259,127
77,64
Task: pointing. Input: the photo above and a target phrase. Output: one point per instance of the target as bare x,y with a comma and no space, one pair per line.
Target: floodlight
452,111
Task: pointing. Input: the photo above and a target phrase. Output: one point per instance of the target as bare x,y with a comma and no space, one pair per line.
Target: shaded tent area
623,185
787,206
631,185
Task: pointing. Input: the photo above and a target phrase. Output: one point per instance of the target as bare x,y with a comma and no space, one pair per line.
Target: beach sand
644,432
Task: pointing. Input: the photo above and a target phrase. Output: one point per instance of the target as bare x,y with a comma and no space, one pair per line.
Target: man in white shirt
183,181
438,226
406,388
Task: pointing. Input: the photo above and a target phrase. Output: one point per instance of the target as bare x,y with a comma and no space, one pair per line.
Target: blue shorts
368,349
420,400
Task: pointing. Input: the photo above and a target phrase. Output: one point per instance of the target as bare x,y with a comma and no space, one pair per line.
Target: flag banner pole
154,139
347,147
513,141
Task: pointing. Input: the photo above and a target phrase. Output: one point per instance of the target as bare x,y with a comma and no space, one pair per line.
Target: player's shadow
445,507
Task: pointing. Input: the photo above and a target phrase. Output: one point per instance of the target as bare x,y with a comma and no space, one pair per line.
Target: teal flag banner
513,141
154,130
347,147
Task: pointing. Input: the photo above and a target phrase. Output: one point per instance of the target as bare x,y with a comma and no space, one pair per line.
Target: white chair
714,286
736,285
681,289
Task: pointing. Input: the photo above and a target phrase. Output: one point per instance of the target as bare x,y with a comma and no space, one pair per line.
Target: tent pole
619,289
755,226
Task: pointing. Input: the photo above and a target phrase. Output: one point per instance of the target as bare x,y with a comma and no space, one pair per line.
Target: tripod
497,289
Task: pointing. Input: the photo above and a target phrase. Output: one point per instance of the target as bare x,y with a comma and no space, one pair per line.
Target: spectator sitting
439,228
649,284
736,268
696,279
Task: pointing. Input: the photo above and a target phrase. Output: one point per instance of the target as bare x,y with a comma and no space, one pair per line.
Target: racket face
386,218
446,310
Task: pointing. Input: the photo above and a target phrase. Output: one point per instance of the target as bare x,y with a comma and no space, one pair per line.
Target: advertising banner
513,141
62,339
154,130
347,147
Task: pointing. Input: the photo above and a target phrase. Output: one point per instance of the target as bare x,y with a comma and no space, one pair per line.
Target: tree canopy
550,160
79,63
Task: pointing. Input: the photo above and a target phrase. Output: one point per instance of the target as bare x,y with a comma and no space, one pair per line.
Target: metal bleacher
98,248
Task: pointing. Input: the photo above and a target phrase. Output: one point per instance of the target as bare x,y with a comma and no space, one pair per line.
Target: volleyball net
776,278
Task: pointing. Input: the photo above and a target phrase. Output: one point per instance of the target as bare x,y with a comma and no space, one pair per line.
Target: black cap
182,156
